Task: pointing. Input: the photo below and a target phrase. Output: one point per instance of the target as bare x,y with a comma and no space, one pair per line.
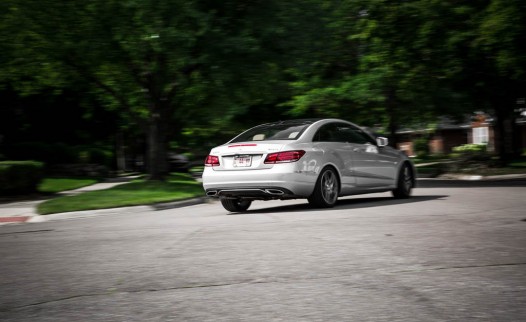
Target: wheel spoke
408,180
329,187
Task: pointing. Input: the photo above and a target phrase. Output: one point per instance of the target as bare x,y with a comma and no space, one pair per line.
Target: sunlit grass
138,192
54,185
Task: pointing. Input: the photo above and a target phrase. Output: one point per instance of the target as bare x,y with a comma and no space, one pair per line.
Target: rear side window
269,132
341,132
329,133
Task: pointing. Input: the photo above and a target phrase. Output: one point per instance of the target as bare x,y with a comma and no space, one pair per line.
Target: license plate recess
242,161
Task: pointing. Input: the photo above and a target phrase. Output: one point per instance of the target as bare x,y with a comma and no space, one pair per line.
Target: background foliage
144,77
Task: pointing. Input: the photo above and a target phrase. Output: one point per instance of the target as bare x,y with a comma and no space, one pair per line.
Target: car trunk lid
245,155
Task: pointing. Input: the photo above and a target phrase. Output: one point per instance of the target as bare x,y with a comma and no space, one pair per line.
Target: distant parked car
316,159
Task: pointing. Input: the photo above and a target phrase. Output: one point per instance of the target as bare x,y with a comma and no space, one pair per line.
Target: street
453,252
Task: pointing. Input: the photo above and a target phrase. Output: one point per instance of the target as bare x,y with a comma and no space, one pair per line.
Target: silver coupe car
316,159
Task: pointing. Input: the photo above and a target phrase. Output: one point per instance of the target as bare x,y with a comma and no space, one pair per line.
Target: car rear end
264,162
263,170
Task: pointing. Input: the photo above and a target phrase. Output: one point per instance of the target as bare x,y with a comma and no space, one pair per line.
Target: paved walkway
24,210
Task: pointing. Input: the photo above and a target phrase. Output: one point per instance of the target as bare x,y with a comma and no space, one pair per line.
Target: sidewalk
25,210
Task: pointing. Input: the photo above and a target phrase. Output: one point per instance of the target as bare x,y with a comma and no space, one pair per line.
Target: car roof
306,121
299,121
294,121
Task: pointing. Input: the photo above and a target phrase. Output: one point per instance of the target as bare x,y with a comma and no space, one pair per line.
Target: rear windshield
269,132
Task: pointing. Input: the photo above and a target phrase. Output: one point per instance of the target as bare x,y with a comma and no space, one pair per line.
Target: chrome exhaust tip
274,192
211,193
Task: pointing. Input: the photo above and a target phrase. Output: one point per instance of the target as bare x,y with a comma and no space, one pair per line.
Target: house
477,129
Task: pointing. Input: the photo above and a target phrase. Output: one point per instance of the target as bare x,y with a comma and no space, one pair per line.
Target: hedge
58,153
20,177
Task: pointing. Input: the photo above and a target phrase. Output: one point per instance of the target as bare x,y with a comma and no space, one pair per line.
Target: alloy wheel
329,185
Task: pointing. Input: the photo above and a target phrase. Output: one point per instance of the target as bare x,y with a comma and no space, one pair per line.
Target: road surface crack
462,267
116,291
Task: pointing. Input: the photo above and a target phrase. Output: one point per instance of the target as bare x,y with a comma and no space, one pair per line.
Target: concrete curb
180,204
463,177
109,211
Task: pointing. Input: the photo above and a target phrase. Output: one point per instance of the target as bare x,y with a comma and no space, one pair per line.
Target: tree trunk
120,152
393,118
157,152
505,133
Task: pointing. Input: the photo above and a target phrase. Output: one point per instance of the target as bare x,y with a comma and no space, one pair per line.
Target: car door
371,167
336,151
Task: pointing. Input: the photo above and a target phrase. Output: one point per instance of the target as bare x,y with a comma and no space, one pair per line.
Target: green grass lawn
138,192
54,185
518,164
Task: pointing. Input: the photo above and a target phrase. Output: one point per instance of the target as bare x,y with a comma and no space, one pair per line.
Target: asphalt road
453,252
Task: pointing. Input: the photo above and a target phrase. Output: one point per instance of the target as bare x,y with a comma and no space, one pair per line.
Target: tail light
212,161
284,157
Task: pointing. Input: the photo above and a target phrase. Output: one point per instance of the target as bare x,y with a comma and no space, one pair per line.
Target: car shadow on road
355,202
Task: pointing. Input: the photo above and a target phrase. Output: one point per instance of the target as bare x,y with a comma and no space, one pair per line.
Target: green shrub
59,153
421,147
470,148
95,155
471,153
471,158
20,177
49,153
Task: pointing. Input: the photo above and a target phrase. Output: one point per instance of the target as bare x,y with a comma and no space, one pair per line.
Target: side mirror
381,141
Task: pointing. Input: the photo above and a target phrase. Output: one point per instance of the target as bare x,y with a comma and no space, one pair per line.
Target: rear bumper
251,193
280,182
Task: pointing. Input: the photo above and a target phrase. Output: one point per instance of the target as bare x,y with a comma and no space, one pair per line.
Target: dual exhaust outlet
267,192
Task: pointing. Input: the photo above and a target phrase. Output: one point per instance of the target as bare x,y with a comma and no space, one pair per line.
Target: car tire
326,190
236,205
404,184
